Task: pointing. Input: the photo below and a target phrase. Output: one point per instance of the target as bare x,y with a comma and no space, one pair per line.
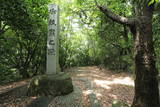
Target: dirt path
106,86
92,88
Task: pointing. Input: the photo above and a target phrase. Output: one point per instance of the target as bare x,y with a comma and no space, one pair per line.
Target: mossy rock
50,84
117,103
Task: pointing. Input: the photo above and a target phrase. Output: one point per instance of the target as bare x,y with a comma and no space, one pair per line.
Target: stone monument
52,41
54,82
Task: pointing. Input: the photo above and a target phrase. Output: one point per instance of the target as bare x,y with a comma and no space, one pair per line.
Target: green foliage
14,14
24,24
87,37
153,1
156,33
8,75
97,40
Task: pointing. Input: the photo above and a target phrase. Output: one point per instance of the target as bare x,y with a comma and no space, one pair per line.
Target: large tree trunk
146,83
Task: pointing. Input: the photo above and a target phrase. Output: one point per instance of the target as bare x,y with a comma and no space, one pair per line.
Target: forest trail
93,87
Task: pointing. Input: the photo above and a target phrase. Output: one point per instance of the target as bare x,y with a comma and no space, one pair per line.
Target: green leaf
79,2
156,1
151,2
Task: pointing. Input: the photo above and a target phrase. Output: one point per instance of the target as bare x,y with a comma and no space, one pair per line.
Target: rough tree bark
146,83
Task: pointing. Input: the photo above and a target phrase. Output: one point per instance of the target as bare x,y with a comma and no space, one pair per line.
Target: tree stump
50,84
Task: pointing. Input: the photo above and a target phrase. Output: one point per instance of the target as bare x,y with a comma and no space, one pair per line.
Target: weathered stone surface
53,40
53,84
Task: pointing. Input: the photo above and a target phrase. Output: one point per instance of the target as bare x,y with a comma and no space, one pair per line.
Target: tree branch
117,18
3,28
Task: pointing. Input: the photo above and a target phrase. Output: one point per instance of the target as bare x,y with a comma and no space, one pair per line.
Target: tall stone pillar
45,84
53,40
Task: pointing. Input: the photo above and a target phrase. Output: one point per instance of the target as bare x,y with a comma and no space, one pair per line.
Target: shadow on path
92,88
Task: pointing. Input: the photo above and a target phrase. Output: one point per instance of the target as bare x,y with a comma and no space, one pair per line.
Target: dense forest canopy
87,37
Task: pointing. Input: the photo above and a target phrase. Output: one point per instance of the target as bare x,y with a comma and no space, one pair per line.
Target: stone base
50,84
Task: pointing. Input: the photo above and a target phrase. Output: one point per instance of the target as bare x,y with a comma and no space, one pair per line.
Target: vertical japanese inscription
52,40
52,30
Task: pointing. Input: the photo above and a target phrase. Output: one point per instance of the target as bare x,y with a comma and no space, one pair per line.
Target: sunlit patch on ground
124,81
87,92
108,86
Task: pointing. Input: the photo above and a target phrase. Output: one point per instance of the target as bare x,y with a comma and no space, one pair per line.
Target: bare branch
3,29
4,26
